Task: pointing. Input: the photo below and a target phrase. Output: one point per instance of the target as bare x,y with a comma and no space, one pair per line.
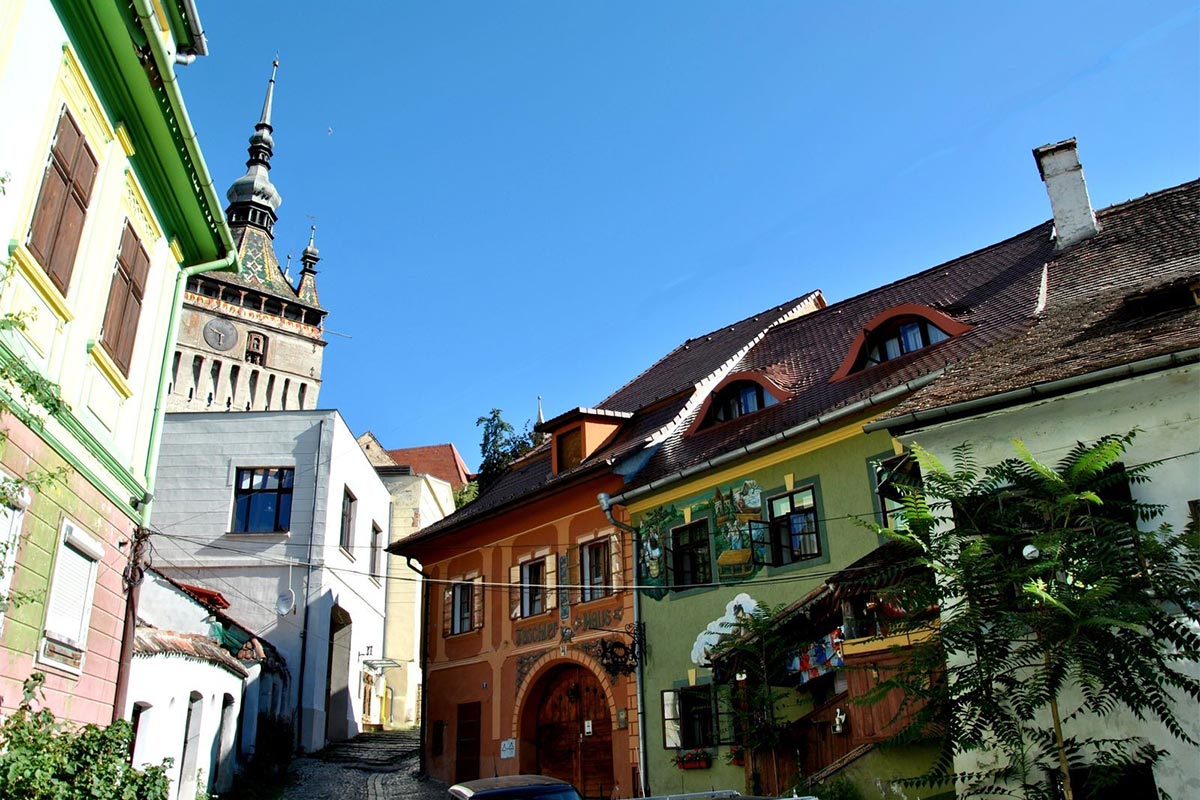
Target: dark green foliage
1052,602
501,445
753,657
44,760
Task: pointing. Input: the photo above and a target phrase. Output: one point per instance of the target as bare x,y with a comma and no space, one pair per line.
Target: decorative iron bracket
619,657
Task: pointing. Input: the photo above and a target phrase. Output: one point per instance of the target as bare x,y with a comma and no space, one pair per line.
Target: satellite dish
285,602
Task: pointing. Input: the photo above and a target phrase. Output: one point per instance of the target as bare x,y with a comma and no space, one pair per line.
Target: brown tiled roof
994,290
152,641
655,398
439,460
1101,310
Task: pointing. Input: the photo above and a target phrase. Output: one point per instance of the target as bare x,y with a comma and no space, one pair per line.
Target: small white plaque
587,727
508,748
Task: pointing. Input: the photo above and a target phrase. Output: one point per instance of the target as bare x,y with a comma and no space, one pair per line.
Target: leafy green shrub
42,759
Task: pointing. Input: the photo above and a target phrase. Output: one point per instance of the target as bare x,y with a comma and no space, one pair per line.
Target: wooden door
466,742
565,750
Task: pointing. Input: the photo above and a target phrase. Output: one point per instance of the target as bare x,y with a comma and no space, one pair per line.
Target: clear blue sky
524,198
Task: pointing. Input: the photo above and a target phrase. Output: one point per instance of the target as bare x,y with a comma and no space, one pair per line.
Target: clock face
220,334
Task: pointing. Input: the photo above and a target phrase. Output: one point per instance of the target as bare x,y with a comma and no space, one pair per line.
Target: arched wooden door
573,697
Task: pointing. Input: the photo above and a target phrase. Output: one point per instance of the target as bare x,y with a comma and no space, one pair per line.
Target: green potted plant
692,759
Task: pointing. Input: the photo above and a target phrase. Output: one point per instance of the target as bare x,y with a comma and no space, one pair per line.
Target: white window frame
73,542
12,520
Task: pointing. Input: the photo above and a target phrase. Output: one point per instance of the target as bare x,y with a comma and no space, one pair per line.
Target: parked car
514,787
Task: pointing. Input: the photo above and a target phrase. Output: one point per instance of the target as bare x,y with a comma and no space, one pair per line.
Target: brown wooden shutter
447,609
477,603
514,591
616,569
62,202
551,582
125,299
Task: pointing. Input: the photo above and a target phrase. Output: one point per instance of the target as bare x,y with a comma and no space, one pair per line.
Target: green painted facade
842,475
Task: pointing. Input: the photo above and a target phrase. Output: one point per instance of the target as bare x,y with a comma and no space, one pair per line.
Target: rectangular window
349,507
595,570
69,607
533,586
376,550
892,476
794,533
462,606
11,521
125,298
689,717
263,500
62,202
569,449
691,555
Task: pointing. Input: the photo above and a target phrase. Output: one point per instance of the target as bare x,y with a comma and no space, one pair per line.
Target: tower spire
253,199
308,274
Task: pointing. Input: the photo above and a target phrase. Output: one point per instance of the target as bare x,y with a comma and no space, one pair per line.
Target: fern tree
753,657
1061,605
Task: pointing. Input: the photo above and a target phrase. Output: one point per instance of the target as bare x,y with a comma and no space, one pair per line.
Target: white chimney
1074,219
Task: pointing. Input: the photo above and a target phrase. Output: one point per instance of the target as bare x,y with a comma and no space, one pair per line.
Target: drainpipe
421,766
606,506
308,567
229,260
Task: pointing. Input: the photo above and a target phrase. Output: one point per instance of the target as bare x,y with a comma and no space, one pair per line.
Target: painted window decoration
793,533
533,586
819,658
691,556
62,202
69,606
126,294
697,716
462,606
736,400
262,500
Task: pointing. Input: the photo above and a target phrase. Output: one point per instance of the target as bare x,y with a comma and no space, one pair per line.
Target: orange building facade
528,636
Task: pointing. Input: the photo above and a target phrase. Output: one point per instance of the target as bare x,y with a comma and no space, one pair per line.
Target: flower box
693,759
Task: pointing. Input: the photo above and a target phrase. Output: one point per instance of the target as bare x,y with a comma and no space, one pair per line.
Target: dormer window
900,337
897,332
738,399
741,393
569,446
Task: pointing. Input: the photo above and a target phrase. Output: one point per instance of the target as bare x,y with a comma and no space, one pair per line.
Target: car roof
486,786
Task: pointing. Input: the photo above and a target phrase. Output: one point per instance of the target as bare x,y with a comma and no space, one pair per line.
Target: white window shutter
617,564
551,581
70,602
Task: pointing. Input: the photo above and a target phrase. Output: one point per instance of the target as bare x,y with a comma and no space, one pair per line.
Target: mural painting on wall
734,512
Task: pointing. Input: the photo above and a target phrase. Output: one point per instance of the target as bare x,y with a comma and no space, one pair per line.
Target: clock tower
251,340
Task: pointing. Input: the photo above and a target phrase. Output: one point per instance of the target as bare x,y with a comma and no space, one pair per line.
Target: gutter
643,759
166,66
876,399
422,767
1037,391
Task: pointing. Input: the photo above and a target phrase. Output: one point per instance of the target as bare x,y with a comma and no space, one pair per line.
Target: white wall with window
253,506
69,604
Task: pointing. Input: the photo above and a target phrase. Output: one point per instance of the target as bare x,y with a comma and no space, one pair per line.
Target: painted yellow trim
137,208
109,369
125,139
176,250
706,480
882,644
83,100
41,283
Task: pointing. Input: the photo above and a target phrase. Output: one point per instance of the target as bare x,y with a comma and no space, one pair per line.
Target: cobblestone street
373,766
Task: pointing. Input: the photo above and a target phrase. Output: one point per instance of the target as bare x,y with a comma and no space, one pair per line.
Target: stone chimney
1062,173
